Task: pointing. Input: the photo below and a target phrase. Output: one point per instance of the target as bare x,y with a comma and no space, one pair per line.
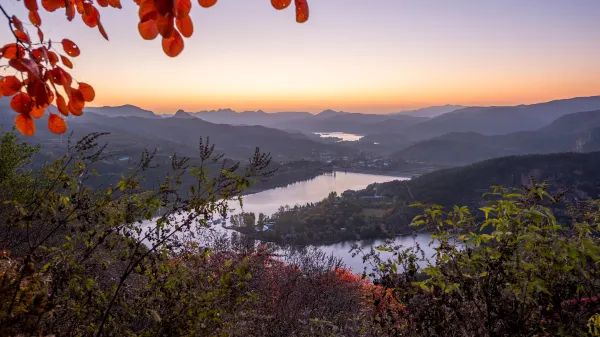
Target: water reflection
345,137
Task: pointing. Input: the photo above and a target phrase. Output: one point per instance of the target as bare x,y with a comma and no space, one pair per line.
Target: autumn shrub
517,272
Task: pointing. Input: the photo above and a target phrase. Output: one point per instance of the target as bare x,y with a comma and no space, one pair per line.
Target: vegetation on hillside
123,260
384,209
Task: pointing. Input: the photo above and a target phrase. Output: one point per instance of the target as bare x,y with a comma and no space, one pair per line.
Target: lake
345,137
314,190
269,201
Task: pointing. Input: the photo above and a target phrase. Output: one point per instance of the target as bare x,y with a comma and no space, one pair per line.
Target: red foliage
37,62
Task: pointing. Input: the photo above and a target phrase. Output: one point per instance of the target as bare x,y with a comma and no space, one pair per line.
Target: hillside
502,120
359,214
573,132
432,111
180,134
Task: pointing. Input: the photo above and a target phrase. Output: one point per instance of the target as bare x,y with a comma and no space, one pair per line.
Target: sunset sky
365,56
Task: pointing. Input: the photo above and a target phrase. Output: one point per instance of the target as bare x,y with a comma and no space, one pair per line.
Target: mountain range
575,132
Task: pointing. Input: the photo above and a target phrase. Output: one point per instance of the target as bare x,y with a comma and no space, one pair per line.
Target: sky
374,56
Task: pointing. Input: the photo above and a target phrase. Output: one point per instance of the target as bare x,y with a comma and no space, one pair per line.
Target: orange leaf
37,112
76,99
70,48
21,103
102,31
148,29
13,51
31,5
52,57
165,25
74,110
61,104
66,62
10,85
56,124
164,7
301,11
173,45
26,65
185,26
70,11
22,36
280,4
37,55
115,3
182,8
90,16
35,19
102,3
38,92
25,124
87,92
17,23
147,11
207,3
52,5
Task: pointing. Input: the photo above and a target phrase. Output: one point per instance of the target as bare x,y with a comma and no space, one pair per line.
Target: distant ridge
126,110
430,112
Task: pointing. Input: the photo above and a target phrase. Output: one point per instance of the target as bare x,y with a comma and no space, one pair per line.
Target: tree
110,258
517,272
43,81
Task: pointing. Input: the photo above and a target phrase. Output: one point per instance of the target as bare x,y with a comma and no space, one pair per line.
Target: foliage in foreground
516,273
76,261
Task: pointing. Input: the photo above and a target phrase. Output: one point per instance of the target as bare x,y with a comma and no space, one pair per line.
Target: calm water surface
314,190
300,193
317,189
347,137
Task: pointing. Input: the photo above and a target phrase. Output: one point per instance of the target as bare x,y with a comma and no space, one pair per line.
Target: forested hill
360,214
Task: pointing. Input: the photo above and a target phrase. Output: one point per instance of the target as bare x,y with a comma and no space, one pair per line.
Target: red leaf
52,5
25,124
148,29
31,5
76,99
115,3
35,19
37,112
165,25
90,15
74,110
102,3
301,11
147,11
26,65
207,3
66,62
52,57
182,8
185,26
40,35
174,45
61,104
280,4
21,103
17,23
70,48
87,92
10,85
13,51
56,124
102,31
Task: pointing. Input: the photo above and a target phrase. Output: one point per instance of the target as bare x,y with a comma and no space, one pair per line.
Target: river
314,190
269,201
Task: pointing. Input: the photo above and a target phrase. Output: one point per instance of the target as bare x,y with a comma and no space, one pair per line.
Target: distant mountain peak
182,114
